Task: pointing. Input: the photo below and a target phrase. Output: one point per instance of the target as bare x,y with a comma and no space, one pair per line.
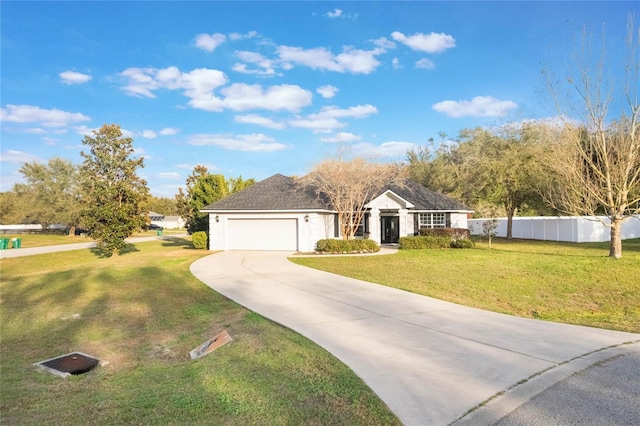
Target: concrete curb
502,404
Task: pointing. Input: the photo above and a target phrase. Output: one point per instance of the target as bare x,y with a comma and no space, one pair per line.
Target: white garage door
262,234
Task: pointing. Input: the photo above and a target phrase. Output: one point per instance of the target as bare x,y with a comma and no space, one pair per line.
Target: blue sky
258,88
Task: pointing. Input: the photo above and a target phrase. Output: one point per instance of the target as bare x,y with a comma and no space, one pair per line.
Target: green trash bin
159,232
4,243
16,242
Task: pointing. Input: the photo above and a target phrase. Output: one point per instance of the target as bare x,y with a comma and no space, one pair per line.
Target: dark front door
390,229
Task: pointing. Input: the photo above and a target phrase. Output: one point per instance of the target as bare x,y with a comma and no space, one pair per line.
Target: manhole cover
74,363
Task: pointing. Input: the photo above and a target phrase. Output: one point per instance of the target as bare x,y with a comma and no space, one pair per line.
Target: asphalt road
607,393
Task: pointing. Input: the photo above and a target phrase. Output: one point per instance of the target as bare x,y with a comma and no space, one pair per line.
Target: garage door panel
262,234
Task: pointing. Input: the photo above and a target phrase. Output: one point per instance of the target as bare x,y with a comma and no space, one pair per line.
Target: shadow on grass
177,242
105,254
144,318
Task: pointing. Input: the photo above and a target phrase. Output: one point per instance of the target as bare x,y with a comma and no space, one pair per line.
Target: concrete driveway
432,362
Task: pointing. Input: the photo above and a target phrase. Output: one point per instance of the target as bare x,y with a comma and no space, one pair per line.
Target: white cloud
339,14
84,130
242,97
169,175
395,62
351,60
209,42
425,63
318,124
14,156
45,117
127,133
327,121
198,82
255,142
199,86
258,120
51,141
480,106
265,66
35,130
387,149
341,137
149,134
238,36
359,111
429,43
328,91
384,43
72,77
169,131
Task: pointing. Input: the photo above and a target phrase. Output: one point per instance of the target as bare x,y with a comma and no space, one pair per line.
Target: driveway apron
432,362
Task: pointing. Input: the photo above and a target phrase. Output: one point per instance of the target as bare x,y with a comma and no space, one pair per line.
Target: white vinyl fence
582,229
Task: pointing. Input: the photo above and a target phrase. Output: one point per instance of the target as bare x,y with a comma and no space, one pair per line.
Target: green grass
39,240
143,312
563,282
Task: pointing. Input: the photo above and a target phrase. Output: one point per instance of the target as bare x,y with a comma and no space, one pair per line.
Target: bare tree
349,185
596,159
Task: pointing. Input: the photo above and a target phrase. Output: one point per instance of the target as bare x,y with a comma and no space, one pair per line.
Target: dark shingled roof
277,192
425,199
281,193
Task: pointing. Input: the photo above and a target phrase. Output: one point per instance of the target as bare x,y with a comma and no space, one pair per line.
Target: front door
390,229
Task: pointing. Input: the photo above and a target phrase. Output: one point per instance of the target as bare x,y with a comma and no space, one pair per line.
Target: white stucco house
276,214
166,222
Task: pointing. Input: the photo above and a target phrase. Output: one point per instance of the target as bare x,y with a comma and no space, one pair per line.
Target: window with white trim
363,228
433,220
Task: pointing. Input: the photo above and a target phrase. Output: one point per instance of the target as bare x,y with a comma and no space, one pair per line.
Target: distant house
166,222
275,214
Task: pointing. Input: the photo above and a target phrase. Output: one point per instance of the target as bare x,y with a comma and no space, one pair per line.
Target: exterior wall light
217,218
306,218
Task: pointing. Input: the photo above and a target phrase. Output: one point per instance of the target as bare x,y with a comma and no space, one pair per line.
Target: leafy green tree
163,205
503,169
12,208
238,184
486,169
50,194
204,188
113,196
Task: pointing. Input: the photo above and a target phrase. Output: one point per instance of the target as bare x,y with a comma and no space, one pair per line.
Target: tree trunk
510,212
615,245
72,231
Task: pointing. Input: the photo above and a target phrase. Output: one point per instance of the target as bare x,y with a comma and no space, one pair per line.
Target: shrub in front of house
199,240
463,243
424,242
452,233
347,246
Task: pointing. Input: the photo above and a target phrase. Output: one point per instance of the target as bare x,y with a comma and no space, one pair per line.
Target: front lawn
39,240
143,312
571,283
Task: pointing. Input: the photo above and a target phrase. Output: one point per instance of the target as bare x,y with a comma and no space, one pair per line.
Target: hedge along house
277,214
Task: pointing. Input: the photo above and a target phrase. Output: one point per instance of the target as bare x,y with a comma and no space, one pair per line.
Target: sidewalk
11,253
